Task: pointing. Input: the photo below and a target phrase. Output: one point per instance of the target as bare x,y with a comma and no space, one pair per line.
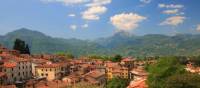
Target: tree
67,55
27,50
117,58
21,46
187,80
162,70
117,83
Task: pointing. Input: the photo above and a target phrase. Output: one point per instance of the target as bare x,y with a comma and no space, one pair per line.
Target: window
46,69
19,74
46,74
50,69
12,69
12,75
42,74
19,68
4,70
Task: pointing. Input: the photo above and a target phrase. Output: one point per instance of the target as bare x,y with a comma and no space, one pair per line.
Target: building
116,70
49,71
17,70
95,77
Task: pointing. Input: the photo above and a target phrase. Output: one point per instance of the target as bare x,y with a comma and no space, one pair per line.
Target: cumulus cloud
198,27
172,11
85,26
99,3
126,21
71,15
73,27
175,6
145,1
66,2
173,21
93,13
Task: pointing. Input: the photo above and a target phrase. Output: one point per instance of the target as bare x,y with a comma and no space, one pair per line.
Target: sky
91,19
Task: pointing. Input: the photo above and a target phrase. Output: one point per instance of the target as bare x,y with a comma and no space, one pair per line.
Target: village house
192,69
128,62
49,71
95,77
17,69
116,70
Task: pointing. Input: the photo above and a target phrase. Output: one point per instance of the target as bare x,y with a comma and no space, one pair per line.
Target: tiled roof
128,59
48,66
95,74
138,84
9,64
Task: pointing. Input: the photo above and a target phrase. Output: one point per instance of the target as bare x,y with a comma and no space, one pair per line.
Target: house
128,62
95,77
49,71
116,70
17,69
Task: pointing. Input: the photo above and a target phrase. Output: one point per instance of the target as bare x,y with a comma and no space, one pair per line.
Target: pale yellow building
116,70
49,71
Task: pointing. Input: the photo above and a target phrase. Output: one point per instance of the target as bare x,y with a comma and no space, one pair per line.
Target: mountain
120,43
41,43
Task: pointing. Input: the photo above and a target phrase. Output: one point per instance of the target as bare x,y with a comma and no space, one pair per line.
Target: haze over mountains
120,43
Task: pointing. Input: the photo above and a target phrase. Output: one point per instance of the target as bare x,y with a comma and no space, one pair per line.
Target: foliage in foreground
186,80
169,73
117,83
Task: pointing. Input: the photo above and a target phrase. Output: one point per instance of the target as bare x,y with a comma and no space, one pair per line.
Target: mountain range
120,43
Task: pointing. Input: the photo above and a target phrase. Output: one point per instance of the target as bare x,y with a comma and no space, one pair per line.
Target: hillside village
55,71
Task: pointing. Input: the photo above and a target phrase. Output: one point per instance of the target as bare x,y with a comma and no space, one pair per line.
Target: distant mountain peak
25,32
123,34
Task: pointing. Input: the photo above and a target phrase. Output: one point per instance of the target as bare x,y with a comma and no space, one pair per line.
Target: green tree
164,68
117,83
117,58
27,50
186,80
21,46
67,55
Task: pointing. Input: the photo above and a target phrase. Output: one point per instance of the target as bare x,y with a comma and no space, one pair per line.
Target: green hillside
120,43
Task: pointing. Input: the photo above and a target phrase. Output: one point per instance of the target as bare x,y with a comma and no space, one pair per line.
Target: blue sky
90,19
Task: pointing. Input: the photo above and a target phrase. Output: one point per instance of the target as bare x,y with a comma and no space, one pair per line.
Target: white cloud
145,1
175,6
172,11
71,15
85,26
99,3
93,13
66,2
198,27
73,27
173,21
126,21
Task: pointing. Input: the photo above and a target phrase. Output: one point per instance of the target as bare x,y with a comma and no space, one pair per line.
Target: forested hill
120,43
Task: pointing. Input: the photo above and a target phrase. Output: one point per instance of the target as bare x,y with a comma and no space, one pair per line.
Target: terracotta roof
138,84
95,74
128,59
48,66
111,64
10,64
139,72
